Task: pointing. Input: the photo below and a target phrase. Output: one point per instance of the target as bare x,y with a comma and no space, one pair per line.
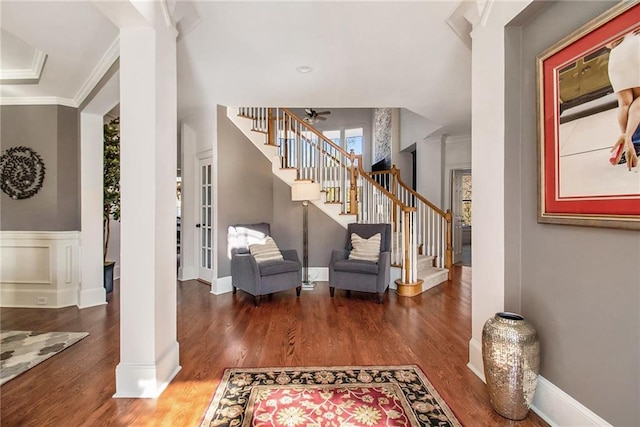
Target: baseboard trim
551,403
221,285
92,297
319,273
187,273
475,359
559,409
147,380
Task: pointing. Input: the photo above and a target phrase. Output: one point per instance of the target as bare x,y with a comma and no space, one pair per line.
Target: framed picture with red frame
588,98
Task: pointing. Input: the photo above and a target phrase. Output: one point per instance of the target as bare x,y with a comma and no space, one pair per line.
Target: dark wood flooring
75,387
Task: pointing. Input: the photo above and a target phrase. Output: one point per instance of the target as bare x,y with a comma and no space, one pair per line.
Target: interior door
456,212
204,224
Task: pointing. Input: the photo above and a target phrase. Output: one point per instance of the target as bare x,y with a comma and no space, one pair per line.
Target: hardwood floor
75,388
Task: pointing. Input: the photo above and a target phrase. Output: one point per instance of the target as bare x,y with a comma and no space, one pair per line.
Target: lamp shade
301,191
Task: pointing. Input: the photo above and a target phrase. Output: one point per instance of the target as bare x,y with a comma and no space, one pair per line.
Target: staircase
421,242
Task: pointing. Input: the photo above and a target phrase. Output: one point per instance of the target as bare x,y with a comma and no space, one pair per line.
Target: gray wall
579,286
249,192
324,233
52,131
245,185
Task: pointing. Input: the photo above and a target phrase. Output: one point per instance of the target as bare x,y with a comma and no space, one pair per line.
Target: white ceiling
75,36
363,54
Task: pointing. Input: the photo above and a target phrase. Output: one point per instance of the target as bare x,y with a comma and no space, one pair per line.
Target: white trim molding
30,75
221,285
559,409
108,59
475,359
318,273
148,380
551,403
37,100
40,269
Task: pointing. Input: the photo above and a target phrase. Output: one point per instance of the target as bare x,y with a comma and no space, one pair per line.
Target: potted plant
111,191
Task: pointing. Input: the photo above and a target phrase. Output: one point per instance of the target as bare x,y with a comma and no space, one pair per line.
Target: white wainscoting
39,268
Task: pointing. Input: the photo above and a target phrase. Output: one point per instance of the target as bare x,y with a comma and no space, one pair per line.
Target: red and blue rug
328,397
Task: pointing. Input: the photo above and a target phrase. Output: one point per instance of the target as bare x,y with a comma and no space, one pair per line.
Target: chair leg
256,300
234,290
298,289
332,291
380,297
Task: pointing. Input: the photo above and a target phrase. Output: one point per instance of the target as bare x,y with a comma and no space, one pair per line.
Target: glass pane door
205,222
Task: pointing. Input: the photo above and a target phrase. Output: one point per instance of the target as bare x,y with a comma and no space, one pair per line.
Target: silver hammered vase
511,357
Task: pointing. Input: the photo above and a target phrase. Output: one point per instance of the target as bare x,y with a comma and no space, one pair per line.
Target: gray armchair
264,278
364,276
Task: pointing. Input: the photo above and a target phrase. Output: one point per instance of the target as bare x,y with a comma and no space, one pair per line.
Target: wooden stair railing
309,152
434,230
379,205
317,158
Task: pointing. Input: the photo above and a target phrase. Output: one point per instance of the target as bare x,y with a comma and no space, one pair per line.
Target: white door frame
456,204
91,291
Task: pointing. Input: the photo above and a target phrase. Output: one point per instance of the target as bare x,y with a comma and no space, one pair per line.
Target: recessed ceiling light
304,69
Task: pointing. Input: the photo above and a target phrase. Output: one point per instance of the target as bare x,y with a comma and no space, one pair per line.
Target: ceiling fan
313,116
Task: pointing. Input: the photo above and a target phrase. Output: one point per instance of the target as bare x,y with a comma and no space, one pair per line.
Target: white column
488,141
148,346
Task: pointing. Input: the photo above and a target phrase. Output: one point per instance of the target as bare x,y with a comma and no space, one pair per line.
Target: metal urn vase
511,355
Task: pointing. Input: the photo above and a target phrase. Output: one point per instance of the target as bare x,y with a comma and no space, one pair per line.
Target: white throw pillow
365,249
266,250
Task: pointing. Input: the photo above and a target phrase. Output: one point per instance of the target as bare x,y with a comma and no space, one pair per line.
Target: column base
147,380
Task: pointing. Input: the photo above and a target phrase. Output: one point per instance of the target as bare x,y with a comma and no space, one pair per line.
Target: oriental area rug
22,350
327,397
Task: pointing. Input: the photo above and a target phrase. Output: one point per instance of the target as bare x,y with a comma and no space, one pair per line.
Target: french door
456,210
205,237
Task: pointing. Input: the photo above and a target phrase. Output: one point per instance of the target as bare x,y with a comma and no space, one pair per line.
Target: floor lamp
305,191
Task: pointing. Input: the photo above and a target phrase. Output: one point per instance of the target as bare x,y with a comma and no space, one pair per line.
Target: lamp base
308,286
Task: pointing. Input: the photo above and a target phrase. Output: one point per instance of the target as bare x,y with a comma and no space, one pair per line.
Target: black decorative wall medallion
22,171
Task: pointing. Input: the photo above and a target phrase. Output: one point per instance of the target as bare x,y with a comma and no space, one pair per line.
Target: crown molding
458,138
107,60
38,100
30,75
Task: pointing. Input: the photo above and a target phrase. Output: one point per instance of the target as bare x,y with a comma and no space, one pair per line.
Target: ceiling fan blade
321,118
324,112
309,111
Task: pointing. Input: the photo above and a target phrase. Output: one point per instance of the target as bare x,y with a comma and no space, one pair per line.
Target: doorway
461,200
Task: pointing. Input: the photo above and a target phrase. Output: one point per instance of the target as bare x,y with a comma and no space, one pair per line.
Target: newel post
406,287
271,127
448,261
395,176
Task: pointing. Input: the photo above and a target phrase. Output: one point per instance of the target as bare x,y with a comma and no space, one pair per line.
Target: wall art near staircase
382,136
22,171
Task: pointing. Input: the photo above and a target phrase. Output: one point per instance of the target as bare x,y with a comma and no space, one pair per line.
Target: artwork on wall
588,137
22,171
382,136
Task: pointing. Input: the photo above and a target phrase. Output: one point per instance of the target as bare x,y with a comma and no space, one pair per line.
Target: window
333,135
466,200
353,140
349,139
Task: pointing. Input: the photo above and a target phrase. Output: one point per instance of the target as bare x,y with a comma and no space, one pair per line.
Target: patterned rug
328,397
22,350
